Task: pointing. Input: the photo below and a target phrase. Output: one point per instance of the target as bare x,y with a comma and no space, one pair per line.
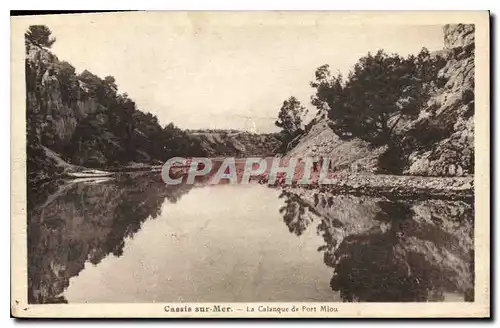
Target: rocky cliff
69,114
447,122
439,142
56,113
354,155
80,120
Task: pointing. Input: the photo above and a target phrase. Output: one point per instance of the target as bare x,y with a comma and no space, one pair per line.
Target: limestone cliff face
85,121
57,103
44,98
458,35
448,119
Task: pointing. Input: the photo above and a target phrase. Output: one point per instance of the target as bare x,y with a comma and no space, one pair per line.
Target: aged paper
251,164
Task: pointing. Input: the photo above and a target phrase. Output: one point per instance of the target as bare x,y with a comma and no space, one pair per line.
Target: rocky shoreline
395,186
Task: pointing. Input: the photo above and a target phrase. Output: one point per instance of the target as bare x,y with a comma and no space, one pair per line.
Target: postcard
251,165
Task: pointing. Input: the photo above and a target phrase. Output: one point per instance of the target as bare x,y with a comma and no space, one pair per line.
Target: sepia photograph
250,164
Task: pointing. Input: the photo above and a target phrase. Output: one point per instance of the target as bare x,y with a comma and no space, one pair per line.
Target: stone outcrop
458,35
44,98
448,119
440,142
353,155
86,122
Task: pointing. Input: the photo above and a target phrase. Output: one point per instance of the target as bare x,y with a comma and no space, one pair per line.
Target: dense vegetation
411,115
380,92
84,118
219,142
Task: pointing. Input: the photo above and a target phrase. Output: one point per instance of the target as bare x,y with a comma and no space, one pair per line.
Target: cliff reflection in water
228,243
390,251
75,223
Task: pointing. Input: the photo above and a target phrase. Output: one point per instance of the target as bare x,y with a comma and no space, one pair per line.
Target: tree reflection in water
294,213
74,223
390,251
379,250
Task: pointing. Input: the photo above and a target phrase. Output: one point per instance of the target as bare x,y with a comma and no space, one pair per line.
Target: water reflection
133,239
73,223
390,250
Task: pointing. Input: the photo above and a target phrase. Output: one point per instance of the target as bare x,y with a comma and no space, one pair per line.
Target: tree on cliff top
290,115
39,35
290,120
381,90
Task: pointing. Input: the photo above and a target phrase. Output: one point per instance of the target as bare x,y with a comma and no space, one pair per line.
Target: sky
221,71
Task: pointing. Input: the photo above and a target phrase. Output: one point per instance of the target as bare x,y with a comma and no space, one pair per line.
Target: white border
199,4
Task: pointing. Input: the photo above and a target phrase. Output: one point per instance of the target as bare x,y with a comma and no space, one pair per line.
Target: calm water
133,239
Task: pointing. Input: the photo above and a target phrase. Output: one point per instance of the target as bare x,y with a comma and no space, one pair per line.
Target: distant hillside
236,143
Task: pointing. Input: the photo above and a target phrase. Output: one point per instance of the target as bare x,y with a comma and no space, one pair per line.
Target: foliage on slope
237,143
84,118
410,115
